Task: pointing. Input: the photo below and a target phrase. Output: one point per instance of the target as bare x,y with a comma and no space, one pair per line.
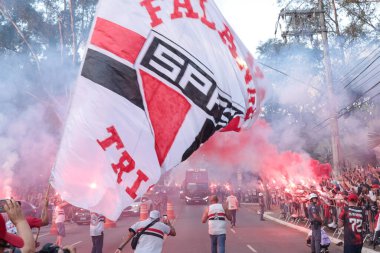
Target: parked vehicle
82,216
134,209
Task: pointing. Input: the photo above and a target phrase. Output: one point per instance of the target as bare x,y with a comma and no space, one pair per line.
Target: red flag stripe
233,125
116,39
167,111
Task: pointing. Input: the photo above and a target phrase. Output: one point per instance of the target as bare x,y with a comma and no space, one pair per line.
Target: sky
252,20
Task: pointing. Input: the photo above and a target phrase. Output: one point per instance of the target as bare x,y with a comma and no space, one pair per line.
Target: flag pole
45,203
121,247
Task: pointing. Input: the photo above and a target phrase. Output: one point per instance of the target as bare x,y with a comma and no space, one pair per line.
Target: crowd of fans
332,192
292,199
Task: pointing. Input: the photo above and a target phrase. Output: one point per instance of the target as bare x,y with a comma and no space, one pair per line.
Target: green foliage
46,26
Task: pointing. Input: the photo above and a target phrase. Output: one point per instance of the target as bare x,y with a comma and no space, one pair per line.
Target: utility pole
309,23
330,91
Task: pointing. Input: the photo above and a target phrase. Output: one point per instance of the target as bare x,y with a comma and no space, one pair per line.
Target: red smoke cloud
253,150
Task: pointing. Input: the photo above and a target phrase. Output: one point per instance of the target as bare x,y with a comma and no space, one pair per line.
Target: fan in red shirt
35,222
352,218
40,222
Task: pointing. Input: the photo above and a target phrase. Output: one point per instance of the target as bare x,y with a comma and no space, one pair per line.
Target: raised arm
172,229
15,214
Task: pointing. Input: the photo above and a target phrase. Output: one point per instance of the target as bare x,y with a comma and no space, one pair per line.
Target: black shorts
352,248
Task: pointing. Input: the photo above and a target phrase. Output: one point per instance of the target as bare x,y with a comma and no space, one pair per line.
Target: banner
159,78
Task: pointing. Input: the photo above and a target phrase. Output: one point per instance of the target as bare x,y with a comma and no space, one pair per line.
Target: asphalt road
250,234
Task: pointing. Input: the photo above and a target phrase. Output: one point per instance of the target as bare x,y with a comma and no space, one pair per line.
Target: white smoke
32,111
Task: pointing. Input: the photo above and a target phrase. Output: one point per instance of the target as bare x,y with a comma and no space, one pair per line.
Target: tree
38,64
297,61
38,26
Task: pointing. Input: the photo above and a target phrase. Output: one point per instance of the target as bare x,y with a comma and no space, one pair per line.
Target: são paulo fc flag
158,79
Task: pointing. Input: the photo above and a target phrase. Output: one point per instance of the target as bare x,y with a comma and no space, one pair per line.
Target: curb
306,230
302,229
249,204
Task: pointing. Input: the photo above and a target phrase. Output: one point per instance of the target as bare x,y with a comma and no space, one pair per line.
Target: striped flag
159,78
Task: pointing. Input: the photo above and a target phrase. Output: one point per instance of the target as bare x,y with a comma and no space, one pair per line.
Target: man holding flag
97,232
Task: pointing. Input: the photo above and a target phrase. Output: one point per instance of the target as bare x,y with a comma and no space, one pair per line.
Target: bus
196,186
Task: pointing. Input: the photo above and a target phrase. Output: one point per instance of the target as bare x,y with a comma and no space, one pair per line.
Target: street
250,234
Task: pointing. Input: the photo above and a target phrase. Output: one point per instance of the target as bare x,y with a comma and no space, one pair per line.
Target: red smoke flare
253,150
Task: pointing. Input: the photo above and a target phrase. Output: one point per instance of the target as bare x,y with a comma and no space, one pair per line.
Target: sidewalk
274,215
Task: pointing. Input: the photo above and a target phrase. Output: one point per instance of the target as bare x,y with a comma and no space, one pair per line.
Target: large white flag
158,79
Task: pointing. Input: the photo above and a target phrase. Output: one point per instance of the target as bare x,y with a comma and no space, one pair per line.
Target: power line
345,111
287,75
321,123
359,97
353,69
362,71
348,111
371,75
368,78
358,70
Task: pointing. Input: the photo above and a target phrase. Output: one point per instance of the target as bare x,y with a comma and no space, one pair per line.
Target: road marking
43,235
250,247
233,230
76,243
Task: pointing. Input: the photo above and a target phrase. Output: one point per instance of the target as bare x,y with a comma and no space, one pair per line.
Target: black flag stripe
206,132
112,75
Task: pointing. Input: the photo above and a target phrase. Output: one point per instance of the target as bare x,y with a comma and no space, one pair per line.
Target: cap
353,197
312,196
375,186
261,194
12,239
154,214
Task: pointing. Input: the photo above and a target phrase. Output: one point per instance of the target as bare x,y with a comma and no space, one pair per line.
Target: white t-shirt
59,214
232,202
96,224
152,240
216,220
11,228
